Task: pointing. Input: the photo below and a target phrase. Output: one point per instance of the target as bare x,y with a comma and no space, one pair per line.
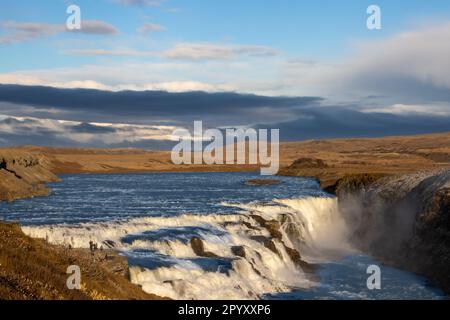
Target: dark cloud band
298,118
135,106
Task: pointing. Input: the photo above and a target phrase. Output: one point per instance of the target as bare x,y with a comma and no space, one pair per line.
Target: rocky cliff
23,174
403,220
398,211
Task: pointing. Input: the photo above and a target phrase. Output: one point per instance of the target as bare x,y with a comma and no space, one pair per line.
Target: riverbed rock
199,248
262,182
239,251
273,226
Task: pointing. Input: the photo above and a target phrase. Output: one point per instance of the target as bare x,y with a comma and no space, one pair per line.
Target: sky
138,69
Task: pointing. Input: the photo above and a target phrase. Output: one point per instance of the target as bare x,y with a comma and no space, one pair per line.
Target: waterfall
262,248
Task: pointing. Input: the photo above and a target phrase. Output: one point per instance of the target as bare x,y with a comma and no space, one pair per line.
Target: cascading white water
249,261
312,225
322,228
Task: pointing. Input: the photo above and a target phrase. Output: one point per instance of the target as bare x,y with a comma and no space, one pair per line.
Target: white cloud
175,76
151,27
209,51
97,27
186,51
420,54
78,132
20,32
409,65
170,86
25,31
110,52
434,109
410,68
178,86
30,80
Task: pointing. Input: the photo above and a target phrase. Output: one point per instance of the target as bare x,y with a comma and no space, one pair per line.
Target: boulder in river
262,182
199,248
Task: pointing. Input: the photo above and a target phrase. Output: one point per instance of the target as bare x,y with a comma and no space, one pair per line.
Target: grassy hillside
33,269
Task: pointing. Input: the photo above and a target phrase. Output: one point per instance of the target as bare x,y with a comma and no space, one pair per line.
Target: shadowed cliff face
23,174
404,220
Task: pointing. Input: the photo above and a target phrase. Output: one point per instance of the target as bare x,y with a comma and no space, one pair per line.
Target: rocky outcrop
315,168
354,183
23,175
403,220
304,163
239,251
199,248
274,227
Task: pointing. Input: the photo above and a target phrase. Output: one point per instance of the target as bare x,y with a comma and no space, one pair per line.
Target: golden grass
33,269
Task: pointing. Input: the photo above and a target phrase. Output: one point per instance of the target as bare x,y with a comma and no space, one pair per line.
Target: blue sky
342,79
308,29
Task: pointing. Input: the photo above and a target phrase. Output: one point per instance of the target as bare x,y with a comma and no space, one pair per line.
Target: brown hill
332,160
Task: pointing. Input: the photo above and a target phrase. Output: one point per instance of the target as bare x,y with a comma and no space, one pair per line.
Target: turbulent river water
159,222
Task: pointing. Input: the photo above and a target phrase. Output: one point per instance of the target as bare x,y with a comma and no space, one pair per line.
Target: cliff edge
23,175
403,219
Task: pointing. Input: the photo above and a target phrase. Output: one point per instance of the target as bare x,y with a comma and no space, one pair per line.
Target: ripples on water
87,198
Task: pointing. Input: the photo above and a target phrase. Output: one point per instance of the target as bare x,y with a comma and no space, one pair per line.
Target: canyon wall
403,220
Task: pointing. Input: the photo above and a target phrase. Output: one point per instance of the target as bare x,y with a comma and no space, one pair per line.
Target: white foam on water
79,235
259,273
312,226
324,231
